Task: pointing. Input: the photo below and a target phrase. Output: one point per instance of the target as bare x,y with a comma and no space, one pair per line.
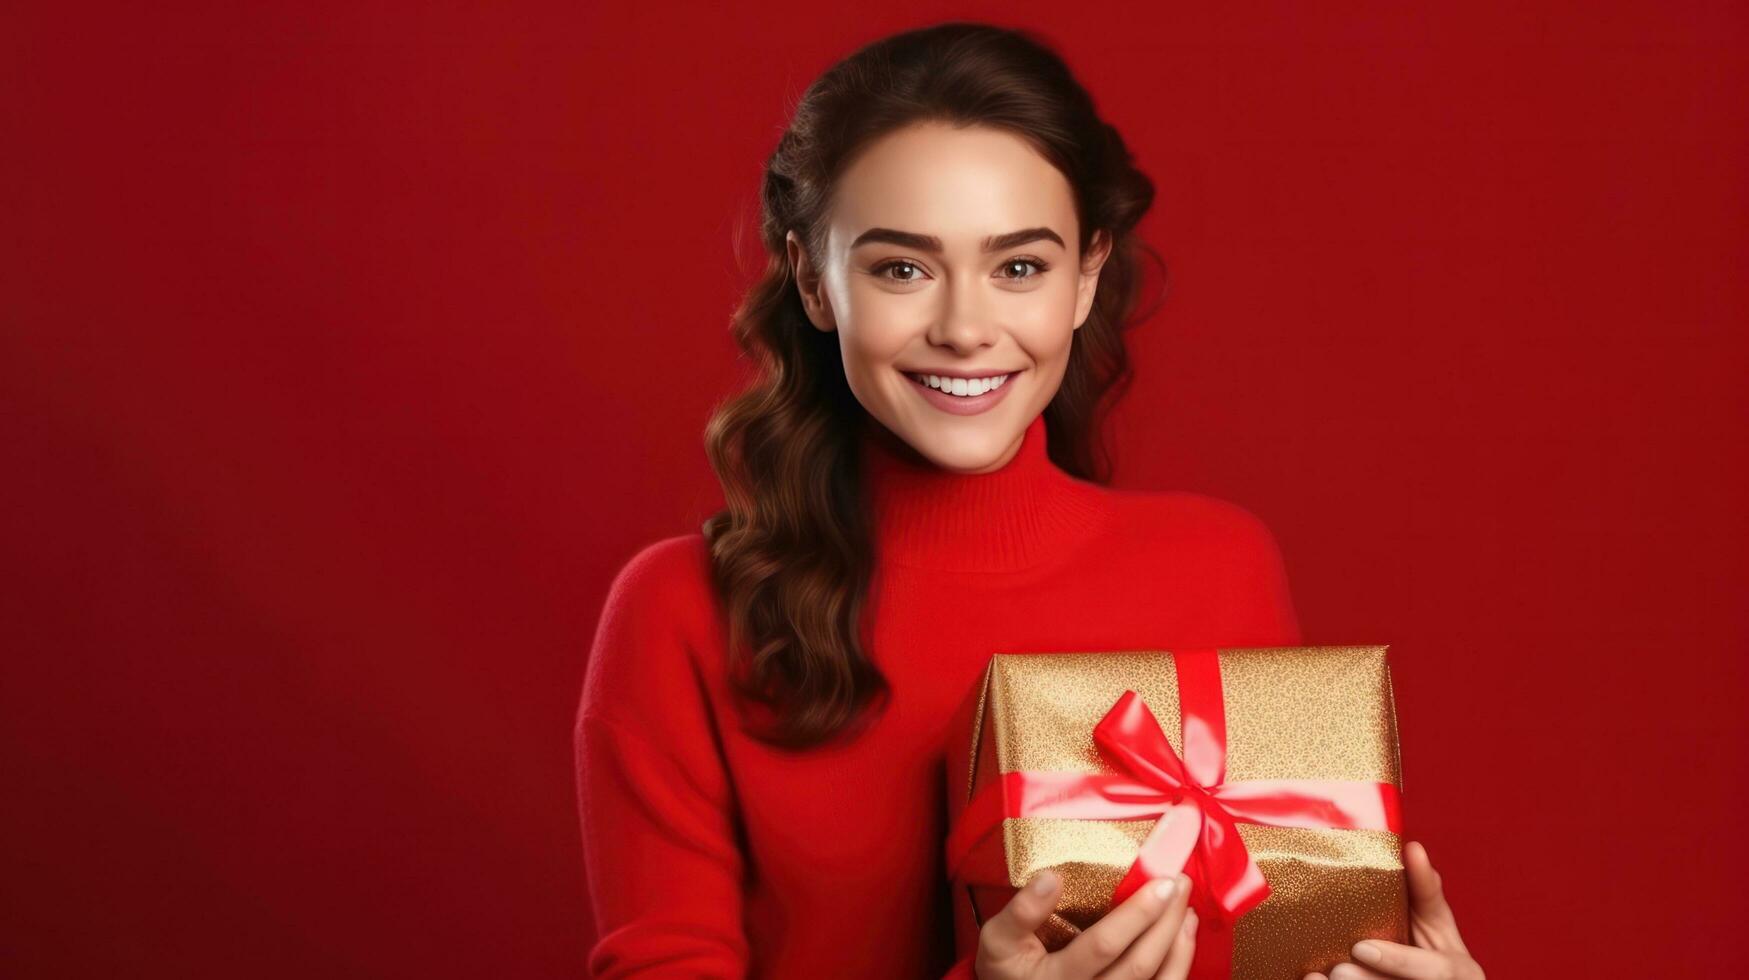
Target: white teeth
963,387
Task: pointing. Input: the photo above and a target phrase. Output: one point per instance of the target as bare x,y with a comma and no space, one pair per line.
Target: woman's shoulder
655,625
1187,516
1236,570
669,577
666,562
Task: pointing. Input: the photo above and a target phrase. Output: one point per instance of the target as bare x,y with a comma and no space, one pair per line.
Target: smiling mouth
961,387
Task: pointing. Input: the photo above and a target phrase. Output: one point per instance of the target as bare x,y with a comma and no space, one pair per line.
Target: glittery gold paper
1291,713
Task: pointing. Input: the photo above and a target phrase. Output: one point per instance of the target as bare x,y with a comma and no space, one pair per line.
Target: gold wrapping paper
1323,712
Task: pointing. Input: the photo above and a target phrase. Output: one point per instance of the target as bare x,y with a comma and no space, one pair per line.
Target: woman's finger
1398,960
1011,931
1106,940
1177,965
1143,956
1427,902
1426,890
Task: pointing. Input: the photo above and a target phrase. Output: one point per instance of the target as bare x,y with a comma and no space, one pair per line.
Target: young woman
911,484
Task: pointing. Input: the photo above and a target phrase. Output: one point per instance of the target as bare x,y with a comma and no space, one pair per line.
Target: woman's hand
1149,935
1438,953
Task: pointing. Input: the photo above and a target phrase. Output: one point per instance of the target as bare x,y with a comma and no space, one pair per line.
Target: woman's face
952,252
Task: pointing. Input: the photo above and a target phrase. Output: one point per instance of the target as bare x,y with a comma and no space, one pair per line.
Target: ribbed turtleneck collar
1027,513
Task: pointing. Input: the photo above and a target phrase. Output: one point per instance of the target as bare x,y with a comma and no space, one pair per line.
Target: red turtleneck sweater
711,854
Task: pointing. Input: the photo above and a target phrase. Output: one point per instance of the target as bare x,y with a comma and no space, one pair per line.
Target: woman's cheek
874,340
1046,327
887,325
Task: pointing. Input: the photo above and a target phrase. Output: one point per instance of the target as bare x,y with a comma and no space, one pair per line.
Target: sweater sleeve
660,837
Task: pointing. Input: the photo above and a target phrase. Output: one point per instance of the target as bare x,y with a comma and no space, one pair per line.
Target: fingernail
1044,882
1367,952
1189,922
1163,888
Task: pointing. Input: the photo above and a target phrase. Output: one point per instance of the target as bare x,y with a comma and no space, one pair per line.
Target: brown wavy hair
790,552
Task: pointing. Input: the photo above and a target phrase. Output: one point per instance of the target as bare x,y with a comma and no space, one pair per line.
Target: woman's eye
1022,264
882,270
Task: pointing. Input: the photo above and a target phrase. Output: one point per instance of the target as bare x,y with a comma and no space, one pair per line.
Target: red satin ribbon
1197,807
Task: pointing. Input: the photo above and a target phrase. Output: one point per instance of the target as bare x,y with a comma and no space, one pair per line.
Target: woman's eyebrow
930,243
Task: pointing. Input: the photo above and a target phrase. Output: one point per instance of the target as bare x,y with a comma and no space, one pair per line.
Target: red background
347,353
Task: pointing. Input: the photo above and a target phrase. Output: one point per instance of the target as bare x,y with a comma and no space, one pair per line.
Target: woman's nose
966,321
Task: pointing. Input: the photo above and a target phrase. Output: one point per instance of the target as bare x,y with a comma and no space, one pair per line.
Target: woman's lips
963,404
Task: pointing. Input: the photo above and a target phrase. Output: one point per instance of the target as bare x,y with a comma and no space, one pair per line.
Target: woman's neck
1024,513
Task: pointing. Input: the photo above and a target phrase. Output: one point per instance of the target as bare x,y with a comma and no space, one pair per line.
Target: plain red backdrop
348,353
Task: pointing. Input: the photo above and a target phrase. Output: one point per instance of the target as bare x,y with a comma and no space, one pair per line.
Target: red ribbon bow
1197,807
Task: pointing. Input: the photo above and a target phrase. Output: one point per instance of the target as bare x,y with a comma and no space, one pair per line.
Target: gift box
1271,776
